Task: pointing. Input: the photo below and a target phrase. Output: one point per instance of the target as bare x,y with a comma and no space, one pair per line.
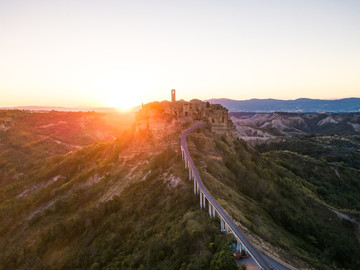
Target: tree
223,260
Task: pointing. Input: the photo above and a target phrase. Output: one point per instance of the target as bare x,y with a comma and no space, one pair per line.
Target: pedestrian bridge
226,224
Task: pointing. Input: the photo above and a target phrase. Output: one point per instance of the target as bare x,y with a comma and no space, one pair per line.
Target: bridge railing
193,174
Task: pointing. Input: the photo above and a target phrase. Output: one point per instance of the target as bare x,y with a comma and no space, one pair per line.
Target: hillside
127,203
120,204
297,105
257,128
27,136
281,199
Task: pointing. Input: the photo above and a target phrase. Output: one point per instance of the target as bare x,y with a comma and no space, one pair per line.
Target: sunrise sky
122,53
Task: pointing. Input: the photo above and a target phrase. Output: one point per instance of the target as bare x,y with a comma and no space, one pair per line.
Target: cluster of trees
332,171
344,149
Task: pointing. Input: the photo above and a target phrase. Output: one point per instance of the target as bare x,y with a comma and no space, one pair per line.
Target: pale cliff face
265,127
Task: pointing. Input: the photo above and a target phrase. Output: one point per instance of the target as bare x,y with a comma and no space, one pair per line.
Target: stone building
151,114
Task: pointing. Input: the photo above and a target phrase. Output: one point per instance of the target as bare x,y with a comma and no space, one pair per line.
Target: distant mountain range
297,105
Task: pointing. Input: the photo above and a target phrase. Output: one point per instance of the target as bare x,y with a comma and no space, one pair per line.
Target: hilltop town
155,117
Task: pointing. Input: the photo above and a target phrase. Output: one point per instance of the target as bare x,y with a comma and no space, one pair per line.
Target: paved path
265,264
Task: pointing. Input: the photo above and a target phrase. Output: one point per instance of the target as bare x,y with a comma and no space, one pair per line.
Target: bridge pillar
195,187
222,225
186,163
204,202
211,210
201,200
182,153
189,173
239,246
226,227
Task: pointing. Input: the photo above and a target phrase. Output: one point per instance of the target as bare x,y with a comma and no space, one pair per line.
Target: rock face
327,120
257,128
156,117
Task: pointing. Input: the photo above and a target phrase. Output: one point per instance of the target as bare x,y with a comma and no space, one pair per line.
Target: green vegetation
334,149
98,208
283,207
127,203
329,164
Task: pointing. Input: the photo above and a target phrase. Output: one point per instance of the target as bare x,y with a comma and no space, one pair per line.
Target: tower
173,95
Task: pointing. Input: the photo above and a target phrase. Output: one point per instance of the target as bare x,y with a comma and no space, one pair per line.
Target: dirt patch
36,187
53,124
172,180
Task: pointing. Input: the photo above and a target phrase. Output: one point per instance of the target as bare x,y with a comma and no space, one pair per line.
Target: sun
121,100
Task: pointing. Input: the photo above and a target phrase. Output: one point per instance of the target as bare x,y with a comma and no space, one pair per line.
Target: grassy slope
66,224
329,164
27,137
274,203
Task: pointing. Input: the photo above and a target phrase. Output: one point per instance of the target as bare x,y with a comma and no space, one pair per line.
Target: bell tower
173,95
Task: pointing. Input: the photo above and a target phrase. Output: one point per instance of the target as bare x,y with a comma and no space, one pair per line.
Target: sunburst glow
121,100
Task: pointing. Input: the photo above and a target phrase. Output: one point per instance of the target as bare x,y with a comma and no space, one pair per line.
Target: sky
123,53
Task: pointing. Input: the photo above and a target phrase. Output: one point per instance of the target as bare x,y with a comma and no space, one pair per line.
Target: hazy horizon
138,105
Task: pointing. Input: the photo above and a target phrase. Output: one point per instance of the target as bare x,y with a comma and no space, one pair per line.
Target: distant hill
68,109
114,204
297,105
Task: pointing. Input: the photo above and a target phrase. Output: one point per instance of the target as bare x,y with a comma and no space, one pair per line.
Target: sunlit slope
126,204
27,137
281,210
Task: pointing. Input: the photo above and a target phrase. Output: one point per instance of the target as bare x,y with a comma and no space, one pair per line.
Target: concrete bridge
226,224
